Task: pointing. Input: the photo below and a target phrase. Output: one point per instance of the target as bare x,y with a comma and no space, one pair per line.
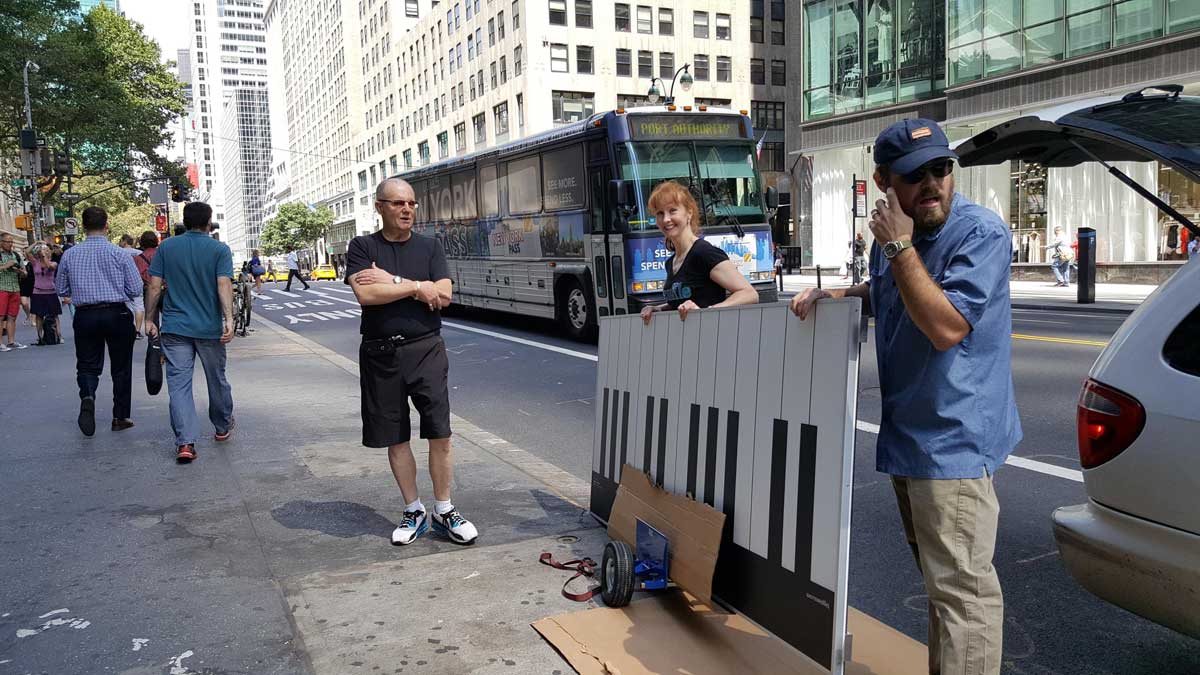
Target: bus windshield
721,175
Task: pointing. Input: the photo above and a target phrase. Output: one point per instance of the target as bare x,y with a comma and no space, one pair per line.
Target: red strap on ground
584,567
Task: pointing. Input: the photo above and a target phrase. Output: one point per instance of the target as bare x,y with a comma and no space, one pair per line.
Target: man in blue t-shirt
197,319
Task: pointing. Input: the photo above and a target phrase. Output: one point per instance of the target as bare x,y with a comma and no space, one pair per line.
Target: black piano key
805,500
693,450
624,436
710,462
649,433
604,432
663,420
778,488
731,450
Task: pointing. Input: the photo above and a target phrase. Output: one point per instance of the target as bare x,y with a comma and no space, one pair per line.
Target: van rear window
1182,349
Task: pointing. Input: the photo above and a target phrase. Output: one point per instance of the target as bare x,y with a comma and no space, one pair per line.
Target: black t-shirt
693,276
420,258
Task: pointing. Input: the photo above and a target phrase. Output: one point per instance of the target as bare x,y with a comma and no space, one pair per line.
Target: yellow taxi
323,272
276,274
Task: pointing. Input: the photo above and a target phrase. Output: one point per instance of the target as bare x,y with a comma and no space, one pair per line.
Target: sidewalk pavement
1110,298
270,553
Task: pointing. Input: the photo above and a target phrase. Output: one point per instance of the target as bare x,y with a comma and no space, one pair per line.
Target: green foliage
296,226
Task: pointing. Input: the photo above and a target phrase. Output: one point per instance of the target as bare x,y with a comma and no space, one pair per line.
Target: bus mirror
772,198
619,193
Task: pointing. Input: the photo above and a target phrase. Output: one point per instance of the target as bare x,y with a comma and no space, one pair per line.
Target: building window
491,32
757,72
700,24
558,59
495,79
666,21
443,140
521,113
558,12
859,57
645,19
645,63
500,113
632,100
778,73
517,60
423,151
583,13
572,106
723,27
410,9
479,122
666,65
700,67
777,32
771,158
622,14
460,137
756,30
724,69
624,62
503,69
767,115
583,60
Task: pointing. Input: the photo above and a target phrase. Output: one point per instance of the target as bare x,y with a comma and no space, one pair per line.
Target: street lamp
29,65
685,82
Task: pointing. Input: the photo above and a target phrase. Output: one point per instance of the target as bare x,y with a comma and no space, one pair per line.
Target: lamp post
36,231
28,110
685,82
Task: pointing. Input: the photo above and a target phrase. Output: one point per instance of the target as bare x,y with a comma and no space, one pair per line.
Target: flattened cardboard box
673,632
693,529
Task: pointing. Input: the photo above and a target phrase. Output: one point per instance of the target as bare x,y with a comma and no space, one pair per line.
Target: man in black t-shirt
402,281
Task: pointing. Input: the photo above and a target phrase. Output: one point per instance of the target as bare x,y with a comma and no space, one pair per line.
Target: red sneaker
186,454
222,437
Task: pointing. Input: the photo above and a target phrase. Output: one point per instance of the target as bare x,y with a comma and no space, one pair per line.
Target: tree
297,226
102,92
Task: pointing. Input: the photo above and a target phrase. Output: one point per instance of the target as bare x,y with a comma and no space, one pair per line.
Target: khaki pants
951,527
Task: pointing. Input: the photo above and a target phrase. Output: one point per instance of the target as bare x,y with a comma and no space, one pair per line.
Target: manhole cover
568,539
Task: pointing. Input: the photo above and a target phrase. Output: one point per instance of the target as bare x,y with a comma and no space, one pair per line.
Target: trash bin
1085,281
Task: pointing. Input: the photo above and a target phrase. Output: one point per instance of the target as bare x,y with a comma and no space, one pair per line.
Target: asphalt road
516,377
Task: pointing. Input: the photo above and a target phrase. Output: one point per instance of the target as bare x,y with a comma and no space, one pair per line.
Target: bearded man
939,290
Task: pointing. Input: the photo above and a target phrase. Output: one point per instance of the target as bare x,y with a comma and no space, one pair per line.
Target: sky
164,21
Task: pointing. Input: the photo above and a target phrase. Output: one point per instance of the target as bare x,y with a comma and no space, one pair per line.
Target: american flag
758,146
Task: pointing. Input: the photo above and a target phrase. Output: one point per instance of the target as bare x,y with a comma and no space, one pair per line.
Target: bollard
1085,279
818,276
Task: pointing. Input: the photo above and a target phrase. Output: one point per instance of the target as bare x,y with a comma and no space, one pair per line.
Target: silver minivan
1136,542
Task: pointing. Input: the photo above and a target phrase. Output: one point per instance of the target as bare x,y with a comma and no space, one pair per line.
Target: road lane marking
1013,460
1066,341
287,293
523,341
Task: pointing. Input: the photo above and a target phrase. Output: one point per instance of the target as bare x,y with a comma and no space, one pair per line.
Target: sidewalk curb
1120,311
561,483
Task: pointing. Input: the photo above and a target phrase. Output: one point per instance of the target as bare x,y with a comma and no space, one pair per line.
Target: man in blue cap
939,290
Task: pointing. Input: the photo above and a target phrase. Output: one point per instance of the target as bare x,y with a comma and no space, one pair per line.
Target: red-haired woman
699,274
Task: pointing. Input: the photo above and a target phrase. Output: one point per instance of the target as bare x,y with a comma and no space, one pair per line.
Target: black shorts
390,374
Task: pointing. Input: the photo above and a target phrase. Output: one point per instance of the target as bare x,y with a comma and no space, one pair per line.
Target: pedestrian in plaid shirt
12,268
99,279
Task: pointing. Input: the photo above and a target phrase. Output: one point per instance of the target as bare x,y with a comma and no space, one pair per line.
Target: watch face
889,249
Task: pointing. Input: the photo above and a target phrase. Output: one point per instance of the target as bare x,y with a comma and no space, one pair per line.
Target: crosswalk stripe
337,289
287,293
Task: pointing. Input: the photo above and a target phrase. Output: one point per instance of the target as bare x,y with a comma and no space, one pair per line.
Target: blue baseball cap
906,145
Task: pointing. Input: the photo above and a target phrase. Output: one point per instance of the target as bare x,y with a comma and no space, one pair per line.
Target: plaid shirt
9,281
97,271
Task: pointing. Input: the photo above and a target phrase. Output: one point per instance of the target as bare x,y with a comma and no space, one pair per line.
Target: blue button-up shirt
949,414
97,271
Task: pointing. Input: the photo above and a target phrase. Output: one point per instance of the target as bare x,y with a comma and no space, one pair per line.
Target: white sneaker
17,345
413,525
5,348
458,529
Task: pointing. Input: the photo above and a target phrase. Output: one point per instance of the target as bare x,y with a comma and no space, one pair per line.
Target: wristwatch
893,248
397,279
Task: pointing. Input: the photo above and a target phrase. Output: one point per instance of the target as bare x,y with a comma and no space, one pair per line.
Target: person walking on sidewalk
12,270
939,290
197,320
100,280
293,263
44,303
401,279
1061,255
137,306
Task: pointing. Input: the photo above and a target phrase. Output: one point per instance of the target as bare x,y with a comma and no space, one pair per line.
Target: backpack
50,334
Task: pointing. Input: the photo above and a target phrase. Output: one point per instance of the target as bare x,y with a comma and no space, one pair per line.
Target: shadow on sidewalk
345,520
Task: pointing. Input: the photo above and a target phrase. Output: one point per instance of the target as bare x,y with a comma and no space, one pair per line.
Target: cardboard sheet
693,529
673,632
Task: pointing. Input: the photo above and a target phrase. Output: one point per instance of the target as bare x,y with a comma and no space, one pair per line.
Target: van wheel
576,312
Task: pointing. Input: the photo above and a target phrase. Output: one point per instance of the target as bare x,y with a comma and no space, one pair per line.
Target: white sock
442,508
416,505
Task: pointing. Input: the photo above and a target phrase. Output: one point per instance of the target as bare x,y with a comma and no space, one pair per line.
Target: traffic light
58,239
62,164
45,161
180,190
24,221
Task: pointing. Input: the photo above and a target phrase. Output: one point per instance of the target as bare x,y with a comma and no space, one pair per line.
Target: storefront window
1182,15
1184,196
1027,212
866,53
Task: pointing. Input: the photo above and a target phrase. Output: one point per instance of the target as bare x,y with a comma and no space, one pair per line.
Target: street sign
60,213
21,182
160,223
71,196
71,226
860,199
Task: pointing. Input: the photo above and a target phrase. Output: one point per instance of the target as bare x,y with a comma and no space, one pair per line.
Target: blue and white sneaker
413,525
456,528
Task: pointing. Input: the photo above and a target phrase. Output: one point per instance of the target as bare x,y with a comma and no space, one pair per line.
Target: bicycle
241,304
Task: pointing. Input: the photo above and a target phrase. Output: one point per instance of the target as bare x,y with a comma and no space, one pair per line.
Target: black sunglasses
937,169
398,202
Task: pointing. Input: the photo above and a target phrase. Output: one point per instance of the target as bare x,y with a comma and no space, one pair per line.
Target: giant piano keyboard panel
749,410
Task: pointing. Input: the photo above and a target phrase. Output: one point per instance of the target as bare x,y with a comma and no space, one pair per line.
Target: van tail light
1108,422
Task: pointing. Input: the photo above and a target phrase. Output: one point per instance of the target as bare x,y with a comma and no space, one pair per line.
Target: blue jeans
181,352
1062,270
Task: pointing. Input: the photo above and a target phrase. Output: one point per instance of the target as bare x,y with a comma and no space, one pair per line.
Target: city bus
555,225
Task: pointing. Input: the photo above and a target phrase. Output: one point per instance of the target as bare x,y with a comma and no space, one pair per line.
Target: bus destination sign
677,127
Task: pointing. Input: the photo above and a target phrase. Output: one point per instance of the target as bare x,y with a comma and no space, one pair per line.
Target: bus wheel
576,311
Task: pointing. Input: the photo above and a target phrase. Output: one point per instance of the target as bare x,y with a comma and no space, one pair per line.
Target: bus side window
524,185
489,191
418,187
596,222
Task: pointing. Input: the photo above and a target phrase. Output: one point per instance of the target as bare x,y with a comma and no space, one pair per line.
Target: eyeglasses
939,169
398,202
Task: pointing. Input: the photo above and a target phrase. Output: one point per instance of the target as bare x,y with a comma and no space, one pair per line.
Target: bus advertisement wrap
648,256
